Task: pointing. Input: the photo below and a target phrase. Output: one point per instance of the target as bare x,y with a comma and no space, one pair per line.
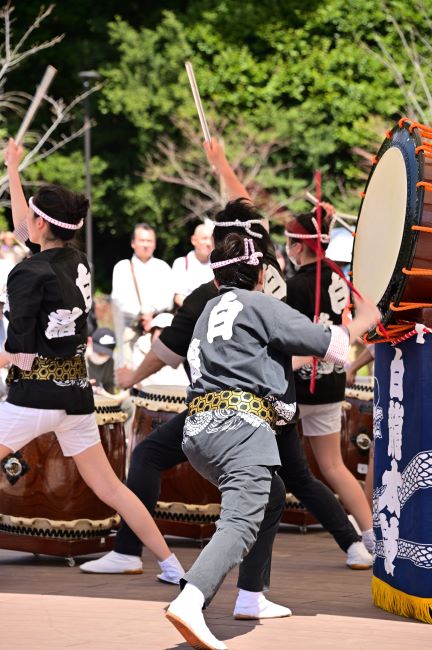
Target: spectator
12,250
193,269
142,287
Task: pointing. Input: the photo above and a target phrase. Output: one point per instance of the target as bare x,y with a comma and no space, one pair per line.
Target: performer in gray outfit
242,384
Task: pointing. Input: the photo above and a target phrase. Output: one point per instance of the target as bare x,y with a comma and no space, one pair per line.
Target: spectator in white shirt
141,288
193,269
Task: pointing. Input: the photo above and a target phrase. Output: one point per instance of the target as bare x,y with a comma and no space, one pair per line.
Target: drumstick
38,97
310,197
198,104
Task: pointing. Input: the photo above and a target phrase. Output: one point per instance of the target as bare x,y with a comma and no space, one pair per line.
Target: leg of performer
159,451
317,497
96,471
244,492
254,571
327,451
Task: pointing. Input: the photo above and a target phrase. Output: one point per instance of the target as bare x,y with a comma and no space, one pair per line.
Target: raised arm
217,159
13,155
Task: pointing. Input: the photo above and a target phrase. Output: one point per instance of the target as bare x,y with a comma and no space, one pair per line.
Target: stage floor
46,604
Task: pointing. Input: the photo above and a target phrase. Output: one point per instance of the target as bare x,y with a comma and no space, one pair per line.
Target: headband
303,234
242,224
55,222
250,256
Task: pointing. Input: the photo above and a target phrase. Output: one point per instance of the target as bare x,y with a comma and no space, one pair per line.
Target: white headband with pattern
250,256
242,224
55,222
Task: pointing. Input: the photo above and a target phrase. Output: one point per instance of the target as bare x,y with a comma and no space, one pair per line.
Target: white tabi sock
254,605
368,539
172,570
185,613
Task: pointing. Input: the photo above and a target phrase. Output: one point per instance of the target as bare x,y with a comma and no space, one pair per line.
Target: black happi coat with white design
330,384
49,298
245,340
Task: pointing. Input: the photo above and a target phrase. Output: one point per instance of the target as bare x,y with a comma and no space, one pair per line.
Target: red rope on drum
427,186
320,255
417,271
422,228
406,306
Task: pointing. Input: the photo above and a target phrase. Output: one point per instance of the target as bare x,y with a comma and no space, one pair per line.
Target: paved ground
45,604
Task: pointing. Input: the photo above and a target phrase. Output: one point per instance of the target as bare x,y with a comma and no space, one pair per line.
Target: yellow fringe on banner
398,602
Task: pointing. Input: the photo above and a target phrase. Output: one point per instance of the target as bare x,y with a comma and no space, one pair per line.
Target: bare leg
368,488
327,451
96,471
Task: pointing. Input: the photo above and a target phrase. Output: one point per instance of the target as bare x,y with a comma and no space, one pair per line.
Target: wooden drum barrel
188,504
45,506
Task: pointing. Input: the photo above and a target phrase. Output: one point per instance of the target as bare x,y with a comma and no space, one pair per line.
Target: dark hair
240,274
62,204
305,220
243,210
143,226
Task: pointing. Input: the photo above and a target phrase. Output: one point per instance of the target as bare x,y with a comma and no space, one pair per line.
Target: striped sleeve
23,360
337,351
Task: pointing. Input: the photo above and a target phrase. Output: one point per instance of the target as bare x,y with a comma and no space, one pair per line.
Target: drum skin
51,487
415,249
180,483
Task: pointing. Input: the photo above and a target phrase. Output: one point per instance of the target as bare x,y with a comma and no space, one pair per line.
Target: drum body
392,255
188,504
45,505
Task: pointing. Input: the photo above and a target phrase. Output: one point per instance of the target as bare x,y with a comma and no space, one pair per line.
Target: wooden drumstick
41,90
198,104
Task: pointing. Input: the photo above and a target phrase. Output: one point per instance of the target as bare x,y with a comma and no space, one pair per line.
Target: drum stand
67,548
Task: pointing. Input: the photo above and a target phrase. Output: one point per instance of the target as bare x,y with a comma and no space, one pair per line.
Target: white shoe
188,619
114,562
264,609
358,557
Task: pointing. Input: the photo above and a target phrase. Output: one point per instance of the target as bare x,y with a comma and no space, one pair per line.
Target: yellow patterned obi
68,369
236,400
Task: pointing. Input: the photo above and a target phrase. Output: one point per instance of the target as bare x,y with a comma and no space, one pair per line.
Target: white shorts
20,425
320,419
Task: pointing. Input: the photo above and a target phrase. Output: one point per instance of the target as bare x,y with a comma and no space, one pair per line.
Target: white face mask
291,258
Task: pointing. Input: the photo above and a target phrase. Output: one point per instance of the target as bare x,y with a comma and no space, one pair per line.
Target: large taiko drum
188,504
392,256
45,506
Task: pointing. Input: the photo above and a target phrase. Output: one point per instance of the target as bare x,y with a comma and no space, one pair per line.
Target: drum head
380,226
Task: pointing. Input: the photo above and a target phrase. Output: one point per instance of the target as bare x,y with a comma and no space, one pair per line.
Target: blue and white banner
402,502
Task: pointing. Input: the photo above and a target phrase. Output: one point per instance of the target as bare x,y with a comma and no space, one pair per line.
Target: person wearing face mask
321,410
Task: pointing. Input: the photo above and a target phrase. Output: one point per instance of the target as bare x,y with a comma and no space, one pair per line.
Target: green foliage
302,74
69,170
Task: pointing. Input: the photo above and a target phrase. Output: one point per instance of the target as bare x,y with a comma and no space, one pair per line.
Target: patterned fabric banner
402,505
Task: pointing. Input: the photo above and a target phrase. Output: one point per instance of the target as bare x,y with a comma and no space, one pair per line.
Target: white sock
249,598
171,563
368,539
189,601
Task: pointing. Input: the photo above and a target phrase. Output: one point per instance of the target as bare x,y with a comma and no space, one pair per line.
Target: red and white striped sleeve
23,360
337,351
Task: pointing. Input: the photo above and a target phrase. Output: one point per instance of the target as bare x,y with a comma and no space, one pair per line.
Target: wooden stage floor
45,604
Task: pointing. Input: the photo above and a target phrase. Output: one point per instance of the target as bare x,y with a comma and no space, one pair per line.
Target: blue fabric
403,465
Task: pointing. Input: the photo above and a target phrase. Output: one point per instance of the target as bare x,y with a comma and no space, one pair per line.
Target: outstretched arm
13,155
217,159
